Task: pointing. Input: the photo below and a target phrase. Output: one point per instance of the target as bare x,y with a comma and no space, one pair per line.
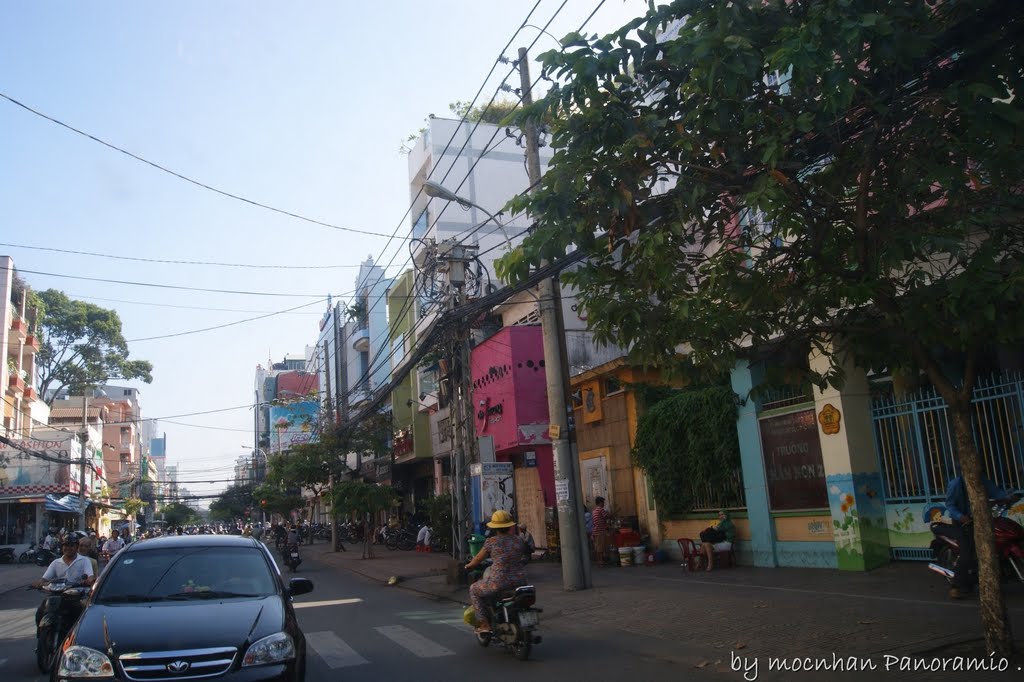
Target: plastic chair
693,557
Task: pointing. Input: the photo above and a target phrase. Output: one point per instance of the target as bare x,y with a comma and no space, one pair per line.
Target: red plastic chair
693,557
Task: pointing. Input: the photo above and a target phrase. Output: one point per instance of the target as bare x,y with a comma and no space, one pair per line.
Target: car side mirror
297,586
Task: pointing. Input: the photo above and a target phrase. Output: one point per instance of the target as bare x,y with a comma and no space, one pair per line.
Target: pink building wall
510,398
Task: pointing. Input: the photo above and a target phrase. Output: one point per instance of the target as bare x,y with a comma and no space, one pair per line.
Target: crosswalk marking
333,650
17,623
332,602
413,641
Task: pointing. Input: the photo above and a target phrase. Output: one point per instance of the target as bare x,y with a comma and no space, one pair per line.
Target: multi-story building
365,331
20,344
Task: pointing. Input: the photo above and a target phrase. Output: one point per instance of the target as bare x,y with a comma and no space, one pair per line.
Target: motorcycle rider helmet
501,519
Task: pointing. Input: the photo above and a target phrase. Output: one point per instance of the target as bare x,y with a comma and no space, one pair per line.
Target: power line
227,324
179,262
188,179
182,307
170,286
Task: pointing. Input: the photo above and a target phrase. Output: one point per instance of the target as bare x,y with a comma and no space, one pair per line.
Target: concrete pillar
851,469
762,529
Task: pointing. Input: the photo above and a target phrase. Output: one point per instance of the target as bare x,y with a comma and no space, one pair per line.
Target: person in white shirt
113,545
50,541
71,566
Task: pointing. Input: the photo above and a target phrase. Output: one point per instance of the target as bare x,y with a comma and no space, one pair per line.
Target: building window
419,228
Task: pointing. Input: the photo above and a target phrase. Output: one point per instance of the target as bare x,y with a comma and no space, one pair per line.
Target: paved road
355,627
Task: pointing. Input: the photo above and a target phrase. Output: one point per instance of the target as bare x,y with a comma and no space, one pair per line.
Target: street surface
357,628
642,625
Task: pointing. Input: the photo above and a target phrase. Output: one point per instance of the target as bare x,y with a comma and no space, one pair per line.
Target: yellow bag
469,616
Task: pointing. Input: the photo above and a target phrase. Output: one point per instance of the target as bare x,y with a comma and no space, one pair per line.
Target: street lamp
438,191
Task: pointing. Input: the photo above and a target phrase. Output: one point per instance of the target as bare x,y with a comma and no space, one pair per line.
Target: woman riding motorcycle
507,569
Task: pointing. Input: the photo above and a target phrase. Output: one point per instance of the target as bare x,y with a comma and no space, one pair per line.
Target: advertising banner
26,474
292,424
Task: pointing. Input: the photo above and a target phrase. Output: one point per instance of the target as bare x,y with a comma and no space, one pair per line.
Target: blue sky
300,105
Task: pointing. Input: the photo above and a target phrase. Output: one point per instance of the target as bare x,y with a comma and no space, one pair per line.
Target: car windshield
187,573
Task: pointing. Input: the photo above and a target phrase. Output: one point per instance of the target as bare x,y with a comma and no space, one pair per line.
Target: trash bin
476,543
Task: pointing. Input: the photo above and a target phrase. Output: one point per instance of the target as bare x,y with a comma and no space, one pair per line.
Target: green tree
232,503
497,113
82,345
273,500
363,501
836,175
178,514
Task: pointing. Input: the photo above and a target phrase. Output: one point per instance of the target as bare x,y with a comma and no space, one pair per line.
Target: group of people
87,542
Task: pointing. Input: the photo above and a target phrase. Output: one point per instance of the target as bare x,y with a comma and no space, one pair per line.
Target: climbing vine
686,443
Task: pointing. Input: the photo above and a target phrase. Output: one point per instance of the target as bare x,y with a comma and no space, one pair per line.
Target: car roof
179,541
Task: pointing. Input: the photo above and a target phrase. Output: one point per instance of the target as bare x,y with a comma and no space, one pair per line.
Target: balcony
15,385
31,346
361,340
30,393
19,328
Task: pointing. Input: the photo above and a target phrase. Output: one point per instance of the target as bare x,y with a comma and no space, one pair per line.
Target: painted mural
909,524
858,520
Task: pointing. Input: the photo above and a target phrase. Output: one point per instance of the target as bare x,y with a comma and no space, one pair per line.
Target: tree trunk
996,624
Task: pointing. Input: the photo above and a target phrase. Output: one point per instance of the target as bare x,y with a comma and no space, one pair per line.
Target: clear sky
300,105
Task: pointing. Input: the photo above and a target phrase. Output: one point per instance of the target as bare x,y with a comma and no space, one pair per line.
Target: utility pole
333,418
567,483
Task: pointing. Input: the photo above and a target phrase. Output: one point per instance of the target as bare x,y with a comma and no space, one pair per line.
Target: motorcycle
291,557
514,620
1009,539
63,606
44,557
29,555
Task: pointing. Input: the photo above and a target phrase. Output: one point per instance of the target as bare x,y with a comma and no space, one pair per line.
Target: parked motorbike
292,558
29,555
1009,539
63,606
7,555
514,620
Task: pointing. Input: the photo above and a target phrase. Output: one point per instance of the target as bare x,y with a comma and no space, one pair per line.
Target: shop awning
63,504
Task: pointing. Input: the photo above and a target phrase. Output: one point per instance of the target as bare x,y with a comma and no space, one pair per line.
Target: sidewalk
700,619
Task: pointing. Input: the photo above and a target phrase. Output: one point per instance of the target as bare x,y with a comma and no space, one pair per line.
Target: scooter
291,557
63,606
29,555
1009,539
44,557
514,620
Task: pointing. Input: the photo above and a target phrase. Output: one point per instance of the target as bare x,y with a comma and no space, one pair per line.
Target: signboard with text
292,424
792,462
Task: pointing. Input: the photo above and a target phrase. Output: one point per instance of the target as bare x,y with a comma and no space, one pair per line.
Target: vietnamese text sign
792,462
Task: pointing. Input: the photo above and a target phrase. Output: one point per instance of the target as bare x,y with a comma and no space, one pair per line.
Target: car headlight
83,662
273,649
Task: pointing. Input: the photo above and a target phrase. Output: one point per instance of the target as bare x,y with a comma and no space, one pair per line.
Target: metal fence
731,496
915,444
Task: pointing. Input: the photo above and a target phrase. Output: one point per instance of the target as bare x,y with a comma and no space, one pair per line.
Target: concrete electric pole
567,482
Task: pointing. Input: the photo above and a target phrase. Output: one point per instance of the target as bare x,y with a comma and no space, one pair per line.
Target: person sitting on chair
717,538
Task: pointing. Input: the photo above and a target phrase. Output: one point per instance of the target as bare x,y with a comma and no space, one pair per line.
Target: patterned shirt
599,520
507,568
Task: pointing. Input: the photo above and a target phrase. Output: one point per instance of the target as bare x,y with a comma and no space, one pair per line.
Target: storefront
20,520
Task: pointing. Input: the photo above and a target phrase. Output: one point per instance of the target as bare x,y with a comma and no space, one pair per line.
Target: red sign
792,462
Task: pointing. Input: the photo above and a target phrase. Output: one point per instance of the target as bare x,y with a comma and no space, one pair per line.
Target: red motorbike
1009,538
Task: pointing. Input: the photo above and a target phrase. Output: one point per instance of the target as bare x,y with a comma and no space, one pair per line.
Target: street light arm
438,191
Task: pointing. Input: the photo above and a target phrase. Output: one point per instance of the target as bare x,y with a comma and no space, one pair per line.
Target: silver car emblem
178,666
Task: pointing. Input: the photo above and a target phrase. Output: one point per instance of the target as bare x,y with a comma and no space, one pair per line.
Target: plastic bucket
625,556
638,555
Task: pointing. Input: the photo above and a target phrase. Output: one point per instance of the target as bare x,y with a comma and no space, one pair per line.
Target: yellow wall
691,528
803,528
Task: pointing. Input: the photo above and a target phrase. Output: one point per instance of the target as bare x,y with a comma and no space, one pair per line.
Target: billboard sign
25,474
292,424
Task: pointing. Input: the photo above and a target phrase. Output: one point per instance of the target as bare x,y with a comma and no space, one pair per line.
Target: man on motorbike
960,531
507,568
72,567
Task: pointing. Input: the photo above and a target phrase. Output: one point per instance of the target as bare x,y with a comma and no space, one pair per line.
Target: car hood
176,626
